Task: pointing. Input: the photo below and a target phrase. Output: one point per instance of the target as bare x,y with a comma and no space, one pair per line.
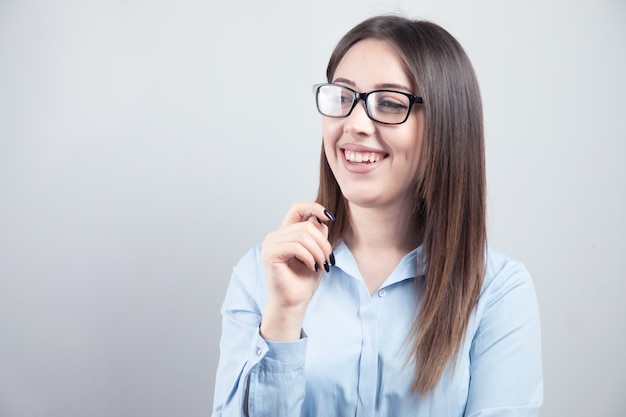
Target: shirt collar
407,268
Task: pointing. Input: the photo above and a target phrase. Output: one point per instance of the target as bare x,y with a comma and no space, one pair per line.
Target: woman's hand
294,257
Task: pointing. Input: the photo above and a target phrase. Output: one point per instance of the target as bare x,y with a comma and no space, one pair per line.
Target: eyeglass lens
382,106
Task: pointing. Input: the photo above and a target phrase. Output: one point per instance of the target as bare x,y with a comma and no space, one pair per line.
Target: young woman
382,298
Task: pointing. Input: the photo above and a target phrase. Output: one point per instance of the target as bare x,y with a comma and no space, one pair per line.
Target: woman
381,298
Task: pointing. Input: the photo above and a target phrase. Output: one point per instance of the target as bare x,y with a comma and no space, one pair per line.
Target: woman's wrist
282,324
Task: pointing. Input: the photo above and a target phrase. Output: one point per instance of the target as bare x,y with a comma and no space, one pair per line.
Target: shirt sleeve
255,377
506,377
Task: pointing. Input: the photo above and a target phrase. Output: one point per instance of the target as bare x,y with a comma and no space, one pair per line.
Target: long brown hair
449,203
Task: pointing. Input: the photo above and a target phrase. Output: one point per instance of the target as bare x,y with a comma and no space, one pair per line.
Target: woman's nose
358,121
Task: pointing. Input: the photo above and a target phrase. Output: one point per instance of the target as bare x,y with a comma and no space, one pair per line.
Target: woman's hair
449,202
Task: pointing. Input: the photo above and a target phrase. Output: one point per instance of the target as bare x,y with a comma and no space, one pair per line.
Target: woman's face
375,164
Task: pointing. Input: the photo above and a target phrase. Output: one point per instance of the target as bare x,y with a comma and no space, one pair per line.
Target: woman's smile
360,159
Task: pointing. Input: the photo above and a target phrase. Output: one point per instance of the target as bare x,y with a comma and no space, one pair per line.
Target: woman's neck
381,230
378,240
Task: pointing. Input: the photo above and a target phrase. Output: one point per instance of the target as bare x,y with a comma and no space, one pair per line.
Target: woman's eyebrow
344,81
392,86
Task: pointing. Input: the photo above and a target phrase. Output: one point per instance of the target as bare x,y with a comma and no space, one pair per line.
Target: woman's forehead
373,63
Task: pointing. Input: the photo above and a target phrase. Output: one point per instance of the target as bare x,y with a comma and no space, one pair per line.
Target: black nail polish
329,215
318,219
332,259
326,267
316,267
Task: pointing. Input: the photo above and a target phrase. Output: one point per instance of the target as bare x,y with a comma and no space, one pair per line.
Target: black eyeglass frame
363,96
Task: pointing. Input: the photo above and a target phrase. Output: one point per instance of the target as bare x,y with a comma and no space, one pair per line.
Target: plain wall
145,146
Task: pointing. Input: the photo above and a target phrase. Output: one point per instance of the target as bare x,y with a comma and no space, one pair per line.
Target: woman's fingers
300,212
299,226
294,255
285,252
305,241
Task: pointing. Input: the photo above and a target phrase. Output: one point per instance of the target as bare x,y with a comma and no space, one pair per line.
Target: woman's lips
362,161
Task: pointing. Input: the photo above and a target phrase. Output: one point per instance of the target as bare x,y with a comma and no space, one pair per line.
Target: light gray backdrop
145,146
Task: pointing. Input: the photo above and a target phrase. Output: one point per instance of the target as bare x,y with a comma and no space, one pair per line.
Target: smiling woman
413,315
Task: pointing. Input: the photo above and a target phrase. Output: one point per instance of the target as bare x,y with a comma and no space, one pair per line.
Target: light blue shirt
352,357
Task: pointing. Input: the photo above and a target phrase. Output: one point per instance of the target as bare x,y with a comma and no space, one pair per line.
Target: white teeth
359,157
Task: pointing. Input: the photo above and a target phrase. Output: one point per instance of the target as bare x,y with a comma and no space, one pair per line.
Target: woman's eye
346,98
390,106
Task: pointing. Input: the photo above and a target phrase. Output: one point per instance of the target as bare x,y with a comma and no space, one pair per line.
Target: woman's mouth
354,157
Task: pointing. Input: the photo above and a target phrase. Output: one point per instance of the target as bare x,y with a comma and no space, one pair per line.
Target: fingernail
329,215
318,220
326,267
316,267
332,258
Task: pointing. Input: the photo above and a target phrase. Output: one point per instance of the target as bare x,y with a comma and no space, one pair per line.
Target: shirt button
259,351
382,293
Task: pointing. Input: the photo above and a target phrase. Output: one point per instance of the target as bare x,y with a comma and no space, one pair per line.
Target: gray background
145,146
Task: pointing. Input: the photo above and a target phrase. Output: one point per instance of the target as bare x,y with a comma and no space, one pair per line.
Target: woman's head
439,71
373,129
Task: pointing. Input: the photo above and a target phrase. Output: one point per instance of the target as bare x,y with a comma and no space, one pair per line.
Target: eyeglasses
383,106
